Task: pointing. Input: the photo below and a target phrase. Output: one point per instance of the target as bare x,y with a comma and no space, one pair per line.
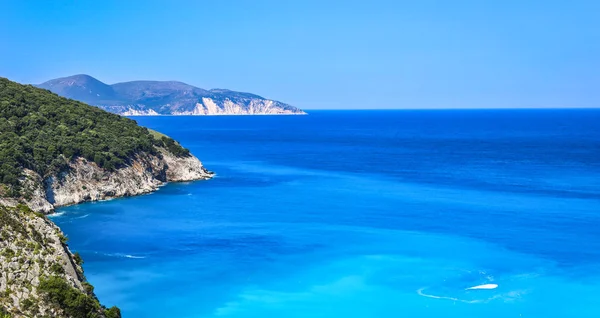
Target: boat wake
133,256
421,292
484,286
120,255
472,295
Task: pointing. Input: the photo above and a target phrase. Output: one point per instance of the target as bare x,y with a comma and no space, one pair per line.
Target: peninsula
54,152
164,98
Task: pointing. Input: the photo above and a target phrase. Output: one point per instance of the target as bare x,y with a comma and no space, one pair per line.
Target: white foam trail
420,292
121,255
56,214
484,286
83,216
475,301
133,256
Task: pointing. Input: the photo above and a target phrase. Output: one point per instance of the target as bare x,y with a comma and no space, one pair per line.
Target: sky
371,54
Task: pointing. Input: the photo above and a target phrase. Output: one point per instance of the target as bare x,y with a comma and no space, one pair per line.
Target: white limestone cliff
85,181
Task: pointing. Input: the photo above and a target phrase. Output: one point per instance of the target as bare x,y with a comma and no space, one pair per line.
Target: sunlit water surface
360,214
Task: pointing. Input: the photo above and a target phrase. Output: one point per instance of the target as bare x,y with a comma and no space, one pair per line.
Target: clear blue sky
321,54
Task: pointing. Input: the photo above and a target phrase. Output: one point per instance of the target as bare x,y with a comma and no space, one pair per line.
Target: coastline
110,198
201,115
85,181
33,234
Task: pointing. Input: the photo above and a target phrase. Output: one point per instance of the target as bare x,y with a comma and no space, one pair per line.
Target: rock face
57,152
38,272
164,98
34,261
85,181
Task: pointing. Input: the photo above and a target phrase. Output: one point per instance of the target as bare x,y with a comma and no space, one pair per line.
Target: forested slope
42,132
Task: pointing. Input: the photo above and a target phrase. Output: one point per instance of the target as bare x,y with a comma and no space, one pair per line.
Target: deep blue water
360,214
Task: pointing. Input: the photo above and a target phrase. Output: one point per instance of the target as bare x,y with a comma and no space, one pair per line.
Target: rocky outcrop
34,193
138,112
85,181
40,277
45,140
184,168
209,106
38,270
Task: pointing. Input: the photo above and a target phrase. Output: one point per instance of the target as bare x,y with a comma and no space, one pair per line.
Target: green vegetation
112,312
9,222
54,290
63,239
26,304
78,259
5,314
58,293
41,131
156,134
57,269
7,253
173,146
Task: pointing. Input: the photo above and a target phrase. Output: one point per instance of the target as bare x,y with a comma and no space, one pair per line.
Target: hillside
40,275
163,98
47,140
54,152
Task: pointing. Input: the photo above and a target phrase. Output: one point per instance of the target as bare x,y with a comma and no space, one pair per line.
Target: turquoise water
360,214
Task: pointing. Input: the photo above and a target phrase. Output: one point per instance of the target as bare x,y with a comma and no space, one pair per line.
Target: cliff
84,180
164,98
40,277
55,152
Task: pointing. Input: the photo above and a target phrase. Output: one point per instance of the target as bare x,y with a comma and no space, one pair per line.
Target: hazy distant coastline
164,98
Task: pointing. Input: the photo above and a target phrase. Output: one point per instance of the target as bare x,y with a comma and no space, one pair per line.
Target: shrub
113,312
8,253
27,304
56,268
57,292
78,259
89,289
63,239
4,313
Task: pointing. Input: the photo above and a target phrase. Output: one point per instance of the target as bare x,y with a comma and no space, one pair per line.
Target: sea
379,213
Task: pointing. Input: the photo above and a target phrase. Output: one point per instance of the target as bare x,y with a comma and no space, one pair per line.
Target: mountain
83,88
54,152
163,98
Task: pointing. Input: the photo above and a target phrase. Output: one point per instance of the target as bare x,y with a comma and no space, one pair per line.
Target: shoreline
206,115
53,211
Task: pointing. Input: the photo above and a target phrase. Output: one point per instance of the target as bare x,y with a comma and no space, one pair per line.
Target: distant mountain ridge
164,98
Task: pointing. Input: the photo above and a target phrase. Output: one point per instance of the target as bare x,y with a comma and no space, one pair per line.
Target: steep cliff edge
86,181
40,277
83,180
55,152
